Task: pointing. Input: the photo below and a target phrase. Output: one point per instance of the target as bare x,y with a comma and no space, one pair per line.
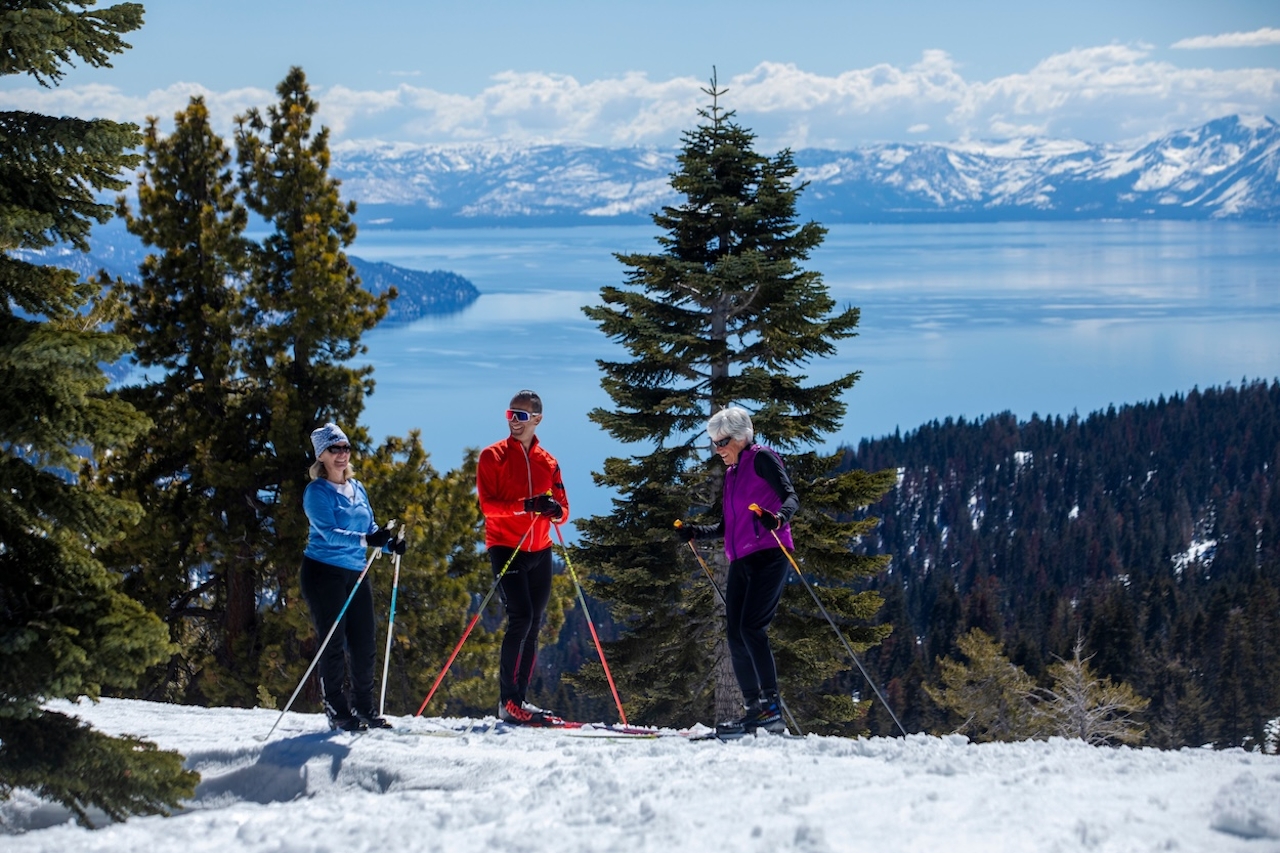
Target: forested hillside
1151,532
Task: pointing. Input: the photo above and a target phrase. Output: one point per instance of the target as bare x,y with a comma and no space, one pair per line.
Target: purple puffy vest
743,533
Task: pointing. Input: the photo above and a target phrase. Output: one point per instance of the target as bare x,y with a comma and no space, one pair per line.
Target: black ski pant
525,590
751,599
353,646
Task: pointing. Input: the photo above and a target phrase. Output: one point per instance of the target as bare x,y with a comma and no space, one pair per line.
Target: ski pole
848,648
582,599
474,619
701,562
329,636
391,624
707,570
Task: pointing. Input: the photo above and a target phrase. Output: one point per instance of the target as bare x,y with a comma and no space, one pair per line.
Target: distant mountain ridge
420,292
1226,169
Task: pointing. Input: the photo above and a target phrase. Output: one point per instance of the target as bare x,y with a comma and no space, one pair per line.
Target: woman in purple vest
757,566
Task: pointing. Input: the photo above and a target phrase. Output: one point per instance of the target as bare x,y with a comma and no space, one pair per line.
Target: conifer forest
1149,533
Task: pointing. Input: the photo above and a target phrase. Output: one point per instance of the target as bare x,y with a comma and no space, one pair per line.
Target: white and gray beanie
322,438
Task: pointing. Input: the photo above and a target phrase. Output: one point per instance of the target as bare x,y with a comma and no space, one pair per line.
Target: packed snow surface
427,786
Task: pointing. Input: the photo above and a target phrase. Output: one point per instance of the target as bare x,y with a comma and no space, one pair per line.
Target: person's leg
362,652
514,593
767,571
737,592
537,573
325,589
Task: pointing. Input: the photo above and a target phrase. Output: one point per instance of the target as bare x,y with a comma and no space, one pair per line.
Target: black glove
544,505
686,533
399,546
379,537
769,521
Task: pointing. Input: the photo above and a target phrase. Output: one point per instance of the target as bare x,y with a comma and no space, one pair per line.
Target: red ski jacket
505,476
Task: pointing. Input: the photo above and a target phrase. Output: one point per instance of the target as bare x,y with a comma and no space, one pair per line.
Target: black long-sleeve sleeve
769,468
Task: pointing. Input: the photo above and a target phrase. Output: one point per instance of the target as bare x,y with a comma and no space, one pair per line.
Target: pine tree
1084,706
990,695
204,553
66,629
725,314
190,471
305,312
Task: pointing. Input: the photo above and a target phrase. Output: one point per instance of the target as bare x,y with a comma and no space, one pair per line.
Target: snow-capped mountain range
1226,169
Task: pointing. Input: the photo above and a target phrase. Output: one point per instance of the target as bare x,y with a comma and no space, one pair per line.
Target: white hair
732,422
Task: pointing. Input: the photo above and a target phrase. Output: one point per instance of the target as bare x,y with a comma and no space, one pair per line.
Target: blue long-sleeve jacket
338,524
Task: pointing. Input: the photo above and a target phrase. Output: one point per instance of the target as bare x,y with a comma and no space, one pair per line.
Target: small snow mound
1248,808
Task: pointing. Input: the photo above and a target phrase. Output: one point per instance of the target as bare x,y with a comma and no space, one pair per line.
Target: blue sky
804,73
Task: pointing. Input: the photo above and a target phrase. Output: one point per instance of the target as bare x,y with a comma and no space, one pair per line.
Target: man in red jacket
521,494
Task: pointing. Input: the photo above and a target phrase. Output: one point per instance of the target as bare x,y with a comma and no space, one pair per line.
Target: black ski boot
371,719
365,713
340,716
769,713
765,712
742,725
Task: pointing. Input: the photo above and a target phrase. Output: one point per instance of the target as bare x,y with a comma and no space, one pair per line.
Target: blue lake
957,320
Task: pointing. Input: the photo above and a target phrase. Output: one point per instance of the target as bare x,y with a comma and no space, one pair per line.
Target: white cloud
98,101
1109,93
1264,37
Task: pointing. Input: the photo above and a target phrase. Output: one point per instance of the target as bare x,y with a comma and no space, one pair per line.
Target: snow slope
309,790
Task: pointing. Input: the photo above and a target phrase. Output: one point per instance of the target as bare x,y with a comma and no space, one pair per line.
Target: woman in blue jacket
342,528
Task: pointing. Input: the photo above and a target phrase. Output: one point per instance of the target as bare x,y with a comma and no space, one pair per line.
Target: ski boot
769,713
526,714
743,725
371,719
340,716
765,712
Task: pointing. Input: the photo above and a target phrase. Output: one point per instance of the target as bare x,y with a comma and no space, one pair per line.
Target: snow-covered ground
309,790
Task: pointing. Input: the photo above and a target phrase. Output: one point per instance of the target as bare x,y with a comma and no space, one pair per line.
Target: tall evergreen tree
305,312
191,472
206,552
66,629
725,314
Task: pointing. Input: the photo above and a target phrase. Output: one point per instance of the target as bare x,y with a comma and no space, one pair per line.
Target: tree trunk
728,697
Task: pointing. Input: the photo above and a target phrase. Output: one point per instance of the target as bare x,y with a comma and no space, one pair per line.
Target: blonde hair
317,471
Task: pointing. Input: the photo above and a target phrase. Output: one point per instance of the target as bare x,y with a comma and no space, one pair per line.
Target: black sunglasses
721,442
340,448
518,415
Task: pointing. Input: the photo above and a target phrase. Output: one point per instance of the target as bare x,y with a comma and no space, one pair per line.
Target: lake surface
957,320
